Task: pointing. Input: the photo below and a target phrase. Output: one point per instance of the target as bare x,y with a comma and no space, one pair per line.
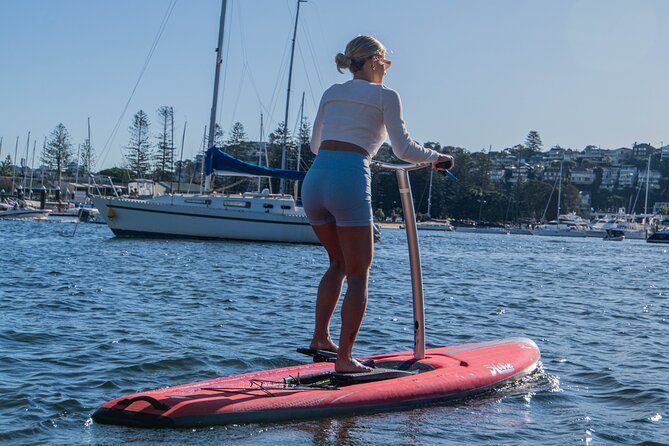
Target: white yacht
434,225
249,216
257,216
19,210
565,226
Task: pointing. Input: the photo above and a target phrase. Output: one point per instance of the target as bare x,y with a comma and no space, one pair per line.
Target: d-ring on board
401,171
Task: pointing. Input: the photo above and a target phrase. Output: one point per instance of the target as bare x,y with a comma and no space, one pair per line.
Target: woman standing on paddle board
351,124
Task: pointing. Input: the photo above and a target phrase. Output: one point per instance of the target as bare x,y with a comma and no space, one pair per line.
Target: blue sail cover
219,162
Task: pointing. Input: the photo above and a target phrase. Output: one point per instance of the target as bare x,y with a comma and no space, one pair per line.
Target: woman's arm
403,146
318,127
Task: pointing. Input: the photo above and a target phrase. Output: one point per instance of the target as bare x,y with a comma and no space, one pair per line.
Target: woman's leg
357,248
330,287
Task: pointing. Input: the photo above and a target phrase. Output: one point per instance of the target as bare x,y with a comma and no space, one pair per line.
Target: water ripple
90,317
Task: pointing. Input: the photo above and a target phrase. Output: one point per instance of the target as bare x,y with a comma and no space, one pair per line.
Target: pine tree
275,141
304,144
6,167
165,152
236,141
218,136
58,151
533,142
237,134
138,150
87,156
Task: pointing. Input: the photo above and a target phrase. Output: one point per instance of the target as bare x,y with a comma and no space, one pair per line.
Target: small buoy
110,213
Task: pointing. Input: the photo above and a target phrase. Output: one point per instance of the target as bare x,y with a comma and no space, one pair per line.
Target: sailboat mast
214,101
217,74
25,162
299,145
559,192
32,167
261,147
299,130
76,174
645,205
88,165
16,153
181,157
429,197
290,78
43,155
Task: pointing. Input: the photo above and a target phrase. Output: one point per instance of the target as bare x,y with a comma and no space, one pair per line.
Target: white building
555,154
593,153
496,175
618,156
609,178
654,177
519,173
627,177
664,152
583,176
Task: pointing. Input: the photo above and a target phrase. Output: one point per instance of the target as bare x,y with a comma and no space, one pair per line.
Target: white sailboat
259,216
565,225
430,224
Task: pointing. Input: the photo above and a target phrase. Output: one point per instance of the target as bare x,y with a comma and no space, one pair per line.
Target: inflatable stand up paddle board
397,381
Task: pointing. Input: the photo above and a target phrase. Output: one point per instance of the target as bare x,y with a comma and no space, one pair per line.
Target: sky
477,74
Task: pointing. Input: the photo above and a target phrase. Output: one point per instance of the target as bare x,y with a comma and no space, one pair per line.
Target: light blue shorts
337,188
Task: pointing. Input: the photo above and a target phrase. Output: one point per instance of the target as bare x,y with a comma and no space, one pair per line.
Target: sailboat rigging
259,216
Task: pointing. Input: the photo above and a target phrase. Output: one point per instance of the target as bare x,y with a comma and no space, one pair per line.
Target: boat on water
614,235
659,236
253,216
434,226
17,209
483,229
635,227
564,226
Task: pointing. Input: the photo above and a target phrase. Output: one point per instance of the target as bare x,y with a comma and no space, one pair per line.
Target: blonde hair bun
342,61
357,52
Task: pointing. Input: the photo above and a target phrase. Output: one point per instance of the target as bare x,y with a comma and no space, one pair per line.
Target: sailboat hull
239,217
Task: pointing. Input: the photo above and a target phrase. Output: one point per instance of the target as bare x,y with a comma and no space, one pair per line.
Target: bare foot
326,345
350,366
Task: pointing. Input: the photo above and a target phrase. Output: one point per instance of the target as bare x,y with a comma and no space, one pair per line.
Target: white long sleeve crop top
361,113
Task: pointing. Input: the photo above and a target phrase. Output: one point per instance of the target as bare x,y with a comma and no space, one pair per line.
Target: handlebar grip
446,165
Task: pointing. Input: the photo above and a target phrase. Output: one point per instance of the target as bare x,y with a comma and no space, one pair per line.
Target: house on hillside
664,152
582,176
619,156
609,178
627,177
642,151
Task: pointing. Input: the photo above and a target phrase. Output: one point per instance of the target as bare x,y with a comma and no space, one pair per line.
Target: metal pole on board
414,261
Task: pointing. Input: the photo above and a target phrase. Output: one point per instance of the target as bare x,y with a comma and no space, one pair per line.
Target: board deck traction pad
346,379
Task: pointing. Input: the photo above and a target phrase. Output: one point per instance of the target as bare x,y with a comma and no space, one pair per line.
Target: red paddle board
314,390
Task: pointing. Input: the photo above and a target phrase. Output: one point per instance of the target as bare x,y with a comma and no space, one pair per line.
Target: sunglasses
382,59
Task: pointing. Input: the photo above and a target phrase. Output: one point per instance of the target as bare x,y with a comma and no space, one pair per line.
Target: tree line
475,196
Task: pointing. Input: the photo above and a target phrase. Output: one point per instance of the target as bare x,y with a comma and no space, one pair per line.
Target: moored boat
18,210
249,216
660,236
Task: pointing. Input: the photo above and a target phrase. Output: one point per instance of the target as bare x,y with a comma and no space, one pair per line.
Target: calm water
91,317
